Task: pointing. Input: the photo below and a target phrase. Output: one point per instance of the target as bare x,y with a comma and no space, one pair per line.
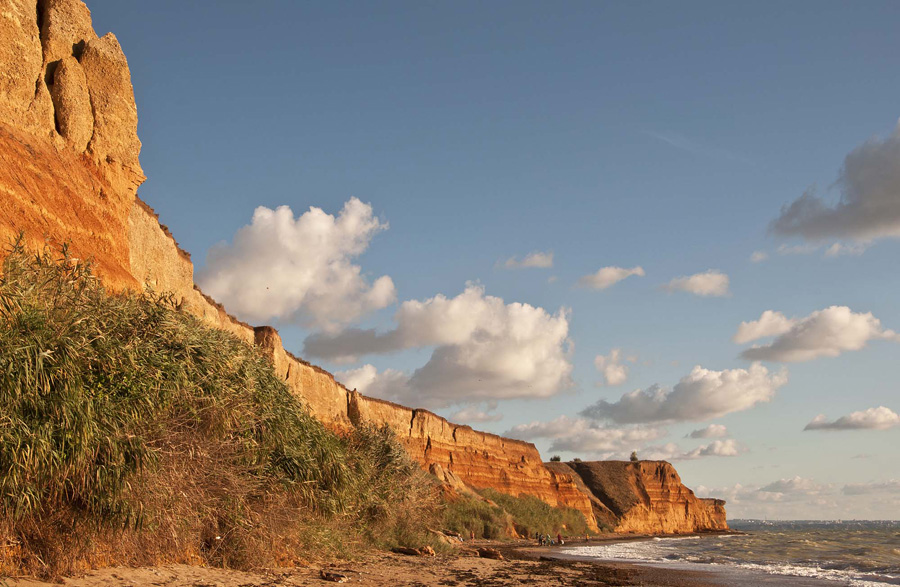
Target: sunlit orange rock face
480,459
69,173
646,497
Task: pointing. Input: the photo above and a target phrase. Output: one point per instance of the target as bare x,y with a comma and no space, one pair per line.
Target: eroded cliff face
646,497
69,173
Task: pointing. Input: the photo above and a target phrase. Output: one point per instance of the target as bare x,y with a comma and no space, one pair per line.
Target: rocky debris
332,576
72,103
424,551
485,552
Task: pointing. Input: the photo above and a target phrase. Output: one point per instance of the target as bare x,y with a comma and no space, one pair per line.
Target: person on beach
559,538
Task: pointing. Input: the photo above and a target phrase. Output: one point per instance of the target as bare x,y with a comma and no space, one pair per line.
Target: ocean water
856,553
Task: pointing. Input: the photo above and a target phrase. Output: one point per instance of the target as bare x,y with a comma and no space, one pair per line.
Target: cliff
645,497
69,173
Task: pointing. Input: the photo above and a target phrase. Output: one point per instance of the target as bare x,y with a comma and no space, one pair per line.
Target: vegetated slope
131,432
69,172
646,497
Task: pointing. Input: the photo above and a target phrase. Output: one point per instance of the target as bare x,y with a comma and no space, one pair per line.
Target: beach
522,564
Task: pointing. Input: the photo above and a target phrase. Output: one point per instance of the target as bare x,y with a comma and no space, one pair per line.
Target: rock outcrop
645,497
69,173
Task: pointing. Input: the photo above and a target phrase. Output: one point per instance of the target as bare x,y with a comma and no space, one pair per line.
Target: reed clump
131,433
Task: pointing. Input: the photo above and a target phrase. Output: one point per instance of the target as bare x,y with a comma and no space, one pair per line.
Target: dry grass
132,433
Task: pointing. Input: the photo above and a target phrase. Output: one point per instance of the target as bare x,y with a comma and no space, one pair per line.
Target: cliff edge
645,497
69,173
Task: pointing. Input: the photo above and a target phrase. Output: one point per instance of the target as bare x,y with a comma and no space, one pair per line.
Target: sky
598,227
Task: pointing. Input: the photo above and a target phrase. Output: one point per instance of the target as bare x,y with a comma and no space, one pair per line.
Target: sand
523,564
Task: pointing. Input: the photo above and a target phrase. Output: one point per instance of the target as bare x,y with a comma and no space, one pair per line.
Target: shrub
529,515
130,432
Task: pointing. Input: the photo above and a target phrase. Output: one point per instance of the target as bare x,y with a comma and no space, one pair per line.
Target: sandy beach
523,563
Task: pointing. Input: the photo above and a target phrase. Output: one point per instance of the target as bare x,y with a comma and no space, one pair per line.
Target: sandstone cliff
646,497
69,173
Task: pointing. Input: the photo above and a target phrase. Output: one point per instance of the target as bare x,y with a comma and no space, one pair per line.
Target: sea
855,553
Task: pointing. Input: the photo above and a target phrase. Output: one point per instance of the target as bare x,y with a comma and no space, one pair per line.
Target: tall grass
496,515
530,514
131,432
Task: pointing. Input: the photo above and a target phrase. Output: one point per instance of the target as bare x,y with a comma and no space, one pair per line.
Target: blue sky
652,135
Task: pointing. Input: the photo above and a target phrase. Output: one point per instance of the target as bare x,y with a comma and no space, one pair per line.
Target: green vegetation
497,515
130,431
530,515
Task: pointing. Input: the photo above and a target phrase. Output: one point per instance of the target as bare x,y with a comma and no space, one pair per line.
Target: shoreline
523,563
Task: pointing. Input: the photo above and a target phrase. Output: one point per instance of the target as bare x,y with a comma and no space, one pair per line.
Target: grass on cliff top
132,433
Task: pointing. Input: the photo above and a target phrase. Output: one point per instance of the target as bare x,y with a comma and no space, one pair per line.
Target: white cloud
769,324
759,256
869,206
299,269
841,249
614,372
537,260
471,414
802,498
803,249
824,333
485,350
711,283
718,448
880,418
367,379
892,486
582,436
672,452
608,277
711,431
794,485
701,395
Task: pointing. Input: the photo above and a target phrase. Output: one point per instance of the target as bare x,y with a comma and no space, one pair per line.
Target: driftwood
485,552
330,576
424,551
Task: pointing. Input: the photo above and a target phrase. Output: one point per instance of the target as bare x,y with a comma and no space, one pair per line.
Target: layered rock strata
69,173
645,497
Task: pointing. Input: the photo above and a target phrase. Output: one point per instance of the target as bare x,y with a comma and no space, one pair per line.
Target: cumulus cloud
711,283
794,485
701,395
608,277
824,333
869,205
485,349
299,269
880,418
582,436
759,256
472,415
537,260
711,431
769,324
368,379
614,372
672,452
